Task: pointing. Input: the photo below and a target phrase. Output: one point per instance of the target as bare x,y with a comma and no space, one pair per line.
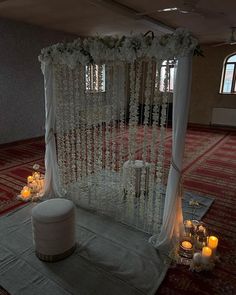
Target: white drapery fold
172,216
52,185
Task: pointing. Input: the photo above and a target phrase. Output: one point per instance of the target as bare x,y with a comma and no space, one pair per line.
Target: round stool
53,225
136,168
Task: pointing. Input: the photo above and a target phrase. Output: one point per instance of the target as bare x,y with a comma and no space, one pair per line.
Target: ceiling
209,20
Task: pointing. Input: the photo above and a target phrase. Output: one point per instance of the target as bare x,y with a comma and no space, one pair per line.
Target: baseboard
211,127
20,142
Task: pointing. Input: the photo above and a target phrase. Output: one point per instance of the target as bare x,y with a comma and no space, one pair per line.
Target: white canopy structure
106,123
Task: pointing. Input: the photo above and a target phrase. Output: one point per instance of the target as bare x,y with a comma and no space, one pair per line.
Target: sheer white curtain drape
52,185
172,216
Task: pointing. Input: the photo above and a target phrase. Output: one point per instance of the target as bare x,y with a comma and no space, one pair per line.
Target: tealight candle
25,193
30,179
188,223
206,254
186,245
186,249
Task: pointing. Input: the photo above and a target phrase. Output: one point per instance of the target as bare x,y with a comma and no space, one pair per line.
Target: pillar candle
206,254
197,258
212,242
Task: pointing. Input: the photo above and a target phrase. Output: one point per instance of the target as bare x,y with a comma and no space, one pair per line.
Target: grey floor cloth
110,259
197,212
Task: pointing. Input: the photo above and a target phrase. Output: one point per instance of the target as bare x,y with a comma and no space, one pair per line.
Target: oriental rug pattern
213,173
17,159
209,169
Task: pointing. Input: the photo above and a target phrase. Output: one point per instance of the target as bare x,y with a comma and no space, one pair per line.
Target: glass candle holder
36,175
200,238
195,223
189,228
30,179
186,248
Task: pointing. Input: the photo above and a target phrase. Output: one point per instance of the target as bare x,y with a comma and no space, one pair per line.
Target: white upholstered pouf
53,225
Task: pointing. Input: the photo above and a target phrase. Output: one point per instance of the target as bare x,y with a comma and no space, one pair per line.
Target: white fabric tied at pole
172,216
51,188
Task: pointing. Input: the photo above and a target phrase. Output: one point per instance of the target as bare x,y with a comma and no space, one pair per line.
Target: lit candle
201,228
212,242
186,245
206,254
186,249
30,179
25,193
189,228
188,223
36,175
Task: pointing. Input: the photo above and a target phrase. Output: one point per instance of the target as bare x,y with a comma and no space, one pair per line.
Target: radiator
223,116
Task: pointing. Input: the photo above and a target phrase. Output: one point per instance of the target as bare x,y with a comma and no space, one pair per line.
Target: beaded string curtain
97,132
111,99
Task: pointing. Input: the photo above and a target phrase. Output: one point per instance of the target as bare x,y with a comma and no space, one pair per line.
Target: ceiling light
184,11
168,9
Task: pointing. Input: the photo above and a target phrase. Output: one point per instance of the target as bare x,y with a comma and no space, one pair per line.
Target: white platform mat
110,259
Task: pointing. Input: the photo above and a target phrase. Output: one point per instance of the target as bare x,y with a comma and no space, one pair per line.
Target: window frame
171,64
233,85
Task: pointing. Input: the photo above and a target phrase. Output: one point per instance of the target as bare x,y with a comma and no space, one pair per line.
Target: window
170,66
94,83
228,84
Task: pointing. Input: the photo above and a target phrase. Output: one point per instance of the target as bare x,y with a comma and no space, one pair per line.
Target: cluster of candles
34,187
197,245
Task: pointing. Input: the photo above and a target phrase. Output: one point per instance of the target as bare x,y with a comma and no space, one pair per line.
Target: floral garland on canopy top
97,49
95,164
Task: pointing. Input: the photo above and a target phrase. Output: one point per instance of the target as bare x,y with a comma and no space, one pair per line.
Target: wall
21,81
206,84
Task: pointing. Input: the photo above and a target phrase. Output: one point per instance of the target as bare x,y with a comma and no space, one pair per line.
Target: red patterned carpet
209,169
213,173
16,162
